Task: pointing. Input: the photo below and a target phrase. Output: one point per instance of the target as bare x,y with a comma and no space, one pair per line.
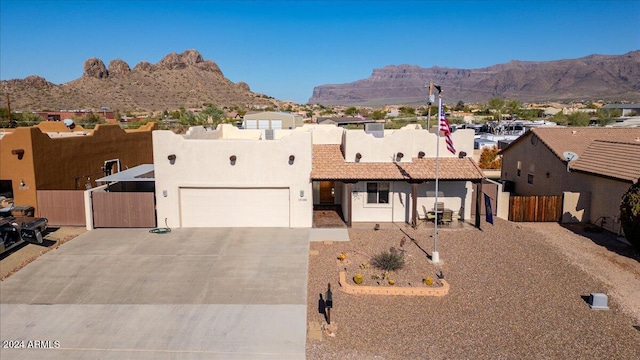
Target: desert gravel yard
518,291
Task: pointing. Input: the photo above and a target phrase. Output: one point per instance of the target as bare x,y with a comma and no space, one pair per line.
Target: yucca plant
388,260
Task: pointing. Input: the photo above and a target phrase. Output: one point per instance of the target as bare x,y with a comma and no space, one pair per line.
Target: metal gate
491,190
124,210
62,207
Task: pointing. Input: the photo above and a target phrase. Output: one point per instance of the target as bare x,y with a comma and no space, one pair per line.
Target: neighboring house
603,173
626,109
231,177
272,120
542,162
70,114
51,156
344,120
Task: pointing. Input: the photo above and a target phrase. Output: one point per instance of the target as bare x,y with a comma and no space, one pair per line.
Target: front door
327,192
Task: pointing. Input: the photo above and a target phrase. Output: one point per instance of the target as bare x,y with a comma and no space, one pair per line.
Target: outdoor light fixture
19,152
292,158
172,159
22,184
399,156
232,159
548,174
421,155
358,157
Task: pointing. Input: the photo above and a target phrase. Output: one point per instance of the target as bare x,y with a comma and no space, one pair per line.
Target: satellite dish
69,123
570,155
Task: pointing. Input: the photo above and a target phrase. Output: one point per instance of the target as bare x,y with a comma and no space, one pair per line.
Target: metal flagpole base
435,257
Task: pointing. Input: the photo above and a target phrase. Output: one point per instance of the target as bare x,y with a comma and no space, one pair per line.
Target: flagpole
435,256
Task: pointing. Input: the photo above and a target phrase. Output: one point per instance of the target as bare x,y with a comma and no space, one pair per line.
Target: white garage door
234,207
250,124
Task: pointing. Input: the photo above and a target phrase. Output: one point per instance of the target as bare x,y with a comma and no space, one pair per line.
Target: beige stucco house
272,120
231,177
391,178
590,166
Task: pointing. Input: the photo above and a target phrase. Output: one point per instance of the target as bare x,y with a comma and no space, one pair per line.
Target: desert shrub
358,278
630,214
388,260
489,158
428,281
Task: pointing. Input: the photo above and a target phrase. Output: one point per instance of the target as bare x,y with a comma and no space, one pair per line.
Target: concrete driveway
189,294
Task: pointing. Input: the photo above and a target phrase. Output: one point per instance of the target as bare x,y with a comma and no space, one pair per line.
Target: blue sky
285,48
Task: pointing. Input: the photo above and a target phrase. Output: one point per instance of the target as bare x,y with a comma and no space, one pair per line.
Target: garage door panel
234,207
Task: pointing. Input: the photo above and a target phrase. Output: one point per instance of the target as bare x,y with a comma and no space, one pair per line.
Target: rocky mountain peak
178,80
118,68
95,68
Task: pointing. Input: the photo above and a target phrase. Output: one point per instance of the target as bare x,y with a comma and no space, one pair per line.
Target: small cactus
358,278
428,281
342,256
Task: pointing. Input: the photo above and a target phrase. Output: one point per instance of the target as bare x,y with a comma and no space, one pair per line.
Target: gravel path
517,292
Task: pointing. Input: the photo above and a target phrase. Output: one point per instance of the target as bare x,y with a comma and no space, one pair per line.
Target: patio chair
460,214
428,215
447,217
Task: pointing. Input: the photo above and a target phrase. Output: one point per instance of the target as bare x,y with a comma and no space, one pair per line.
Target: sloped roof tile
576,139
329,164
611,159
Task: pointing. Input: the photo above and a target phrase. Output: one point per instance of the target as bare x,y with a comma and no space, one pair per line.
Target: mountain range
187,80
595,77
178,80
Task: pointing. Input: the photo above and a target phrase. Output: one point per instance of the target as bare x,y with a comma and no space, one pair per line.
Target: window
378,193
530,179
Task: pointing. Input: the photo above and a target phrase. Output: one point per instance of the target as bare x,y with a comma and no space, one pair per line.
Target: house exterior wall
454,195
575,207
65,160
536,159
324,134
407,141
605,197
205,163
289,121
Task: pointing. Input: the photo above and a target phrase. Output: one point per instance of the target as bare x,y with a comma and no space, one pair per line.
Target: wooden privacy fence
62,207
535,208
124,209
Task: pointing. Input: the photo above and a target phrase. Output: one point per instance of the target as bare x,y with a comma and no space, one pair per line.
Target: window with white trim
378,192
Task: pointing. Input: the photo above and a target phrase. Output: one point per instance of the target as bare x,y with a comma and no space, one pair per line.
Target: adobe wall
409,142
59,163
206,164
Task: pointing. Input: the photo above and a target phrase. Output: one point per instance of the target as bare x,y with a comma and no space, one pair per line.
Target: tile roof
610,159
329,164
577,139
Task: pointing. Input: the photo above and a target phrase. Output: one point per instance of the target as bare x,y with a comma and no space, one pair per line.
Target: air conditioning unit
375,129
268,134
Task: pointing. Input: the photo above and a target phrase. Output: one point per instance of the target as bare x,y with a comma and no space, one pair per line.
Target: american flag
444,127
